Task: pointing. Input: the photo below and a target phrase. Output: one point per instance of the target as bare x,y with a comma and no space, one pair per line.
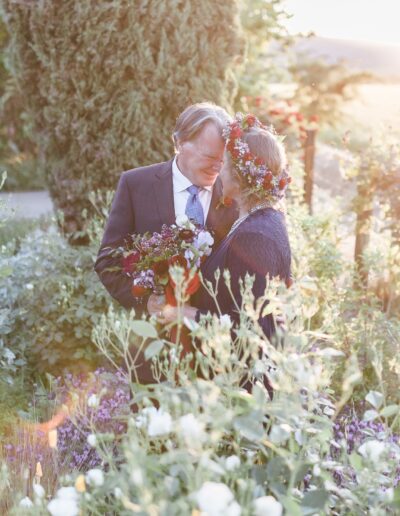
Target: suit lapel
212,216
164,194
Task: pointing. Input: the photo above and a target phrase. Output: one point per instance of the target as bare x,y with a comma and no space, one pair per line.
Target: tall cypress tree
104,82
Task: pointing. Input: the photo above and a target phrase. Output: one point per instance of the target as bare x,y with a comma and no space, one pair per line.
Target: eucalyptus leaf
144,329
153,349
249,428
375,398
390,410
314,501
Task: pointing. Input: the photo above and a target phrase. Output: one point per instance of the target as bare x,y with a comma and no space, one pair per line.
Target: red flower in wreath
251,120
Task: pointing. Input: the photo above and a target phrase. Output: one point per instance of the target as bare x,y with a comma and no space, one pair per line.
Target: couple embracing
217,157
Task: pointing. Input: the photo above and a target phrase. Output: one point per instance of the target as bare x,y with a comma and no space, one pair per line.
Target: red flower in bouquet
129,262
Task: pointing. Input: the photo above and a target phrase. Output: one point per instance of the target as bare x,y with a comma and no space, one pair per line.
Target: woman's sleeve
259,256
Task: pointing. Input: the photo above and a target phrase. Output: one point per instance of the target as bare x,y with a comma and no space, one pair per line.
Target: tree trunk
309,155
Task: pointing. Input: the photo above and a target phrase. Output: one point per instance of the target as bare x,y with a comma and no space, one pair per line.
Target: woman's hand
167,314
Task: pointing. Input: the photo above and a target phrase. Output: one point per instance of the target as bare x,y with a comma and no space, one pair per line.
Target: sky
367,20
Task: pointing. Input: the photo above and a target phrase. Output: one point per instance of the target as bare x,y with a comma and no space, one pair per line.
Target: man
148,197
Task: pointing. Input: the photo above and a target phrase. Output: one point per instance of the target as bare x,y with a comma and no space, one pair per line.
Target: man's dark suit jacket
143,202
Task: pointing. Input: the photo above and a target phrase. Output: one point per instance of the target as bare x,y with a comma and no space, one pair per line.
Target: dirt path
25,205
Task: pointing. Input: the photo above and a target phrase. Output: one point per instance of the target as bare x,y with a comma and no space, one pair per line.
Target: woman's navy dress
258,246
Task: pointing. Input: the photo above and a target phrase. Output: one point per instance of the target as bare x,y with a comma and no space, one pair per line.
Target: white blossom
225,321
267,506
39,491
92,440
232,463
372,450
160,423
192,429
65,503
95,477
26,502
93,401
216,499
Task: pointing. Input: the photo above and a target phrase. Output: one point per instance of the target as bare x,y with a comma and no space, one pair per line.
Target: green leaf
144,329
153,349
375,398
356,461
314,501
390,410
249,428
370,415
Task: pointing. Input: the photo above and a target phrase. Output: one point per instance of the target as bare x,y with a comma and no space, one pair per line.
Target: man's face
200,160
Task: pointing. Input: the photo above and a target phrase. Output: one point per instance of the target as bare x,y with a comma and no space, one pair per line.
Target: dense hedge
105,81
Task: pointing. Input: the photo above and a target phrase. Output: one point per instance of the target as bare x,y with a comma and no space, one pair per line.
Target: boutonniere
224,202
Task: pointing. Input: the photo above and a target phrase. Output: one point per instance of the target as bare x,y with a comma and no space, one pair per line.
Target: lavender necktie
194,209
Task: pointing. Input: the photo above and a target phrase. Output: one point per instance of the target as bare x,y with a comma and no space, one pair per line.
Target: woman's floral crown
257,179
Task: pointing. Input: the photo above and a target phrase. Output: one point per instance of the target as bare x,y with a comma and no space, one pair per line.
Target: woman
254,175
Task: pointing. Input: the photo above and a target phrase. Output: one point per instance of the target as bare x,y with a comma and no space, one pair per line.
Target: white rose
267,506
372,450
95,477
216,499
160,423
191,429
232,463
203,239
182,220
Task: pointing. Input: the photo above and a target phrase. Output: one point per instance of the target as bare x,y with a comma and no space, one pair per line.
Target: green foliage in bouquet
105,81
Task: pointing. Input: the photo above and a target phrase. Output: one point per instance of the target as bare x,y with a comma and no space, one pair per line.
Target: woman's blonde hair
266,145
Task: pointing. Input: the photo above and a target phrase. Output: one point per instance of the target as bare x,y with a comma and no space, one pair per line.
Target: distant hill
380,59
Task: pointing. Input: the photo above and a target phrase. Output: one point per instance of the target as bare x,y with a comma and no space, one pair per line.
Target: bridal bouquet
147,258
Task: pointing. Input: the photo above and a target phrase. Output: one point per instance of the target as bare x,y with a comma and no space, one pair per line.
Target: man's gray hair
192,120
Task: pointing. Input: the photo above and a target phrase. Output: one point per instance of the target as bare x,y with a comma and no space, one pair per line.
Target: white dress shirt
181,195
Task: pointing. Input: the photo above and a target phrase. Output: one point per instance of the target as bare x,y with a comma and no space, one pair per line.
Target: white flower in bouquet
216,499
267,506
95,477
203,242
372,450
191,429
65,503
182,220
160,423
232,463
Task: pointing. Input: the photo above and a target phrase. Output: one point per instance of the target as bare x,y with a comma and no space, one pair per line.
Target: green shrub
50,300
